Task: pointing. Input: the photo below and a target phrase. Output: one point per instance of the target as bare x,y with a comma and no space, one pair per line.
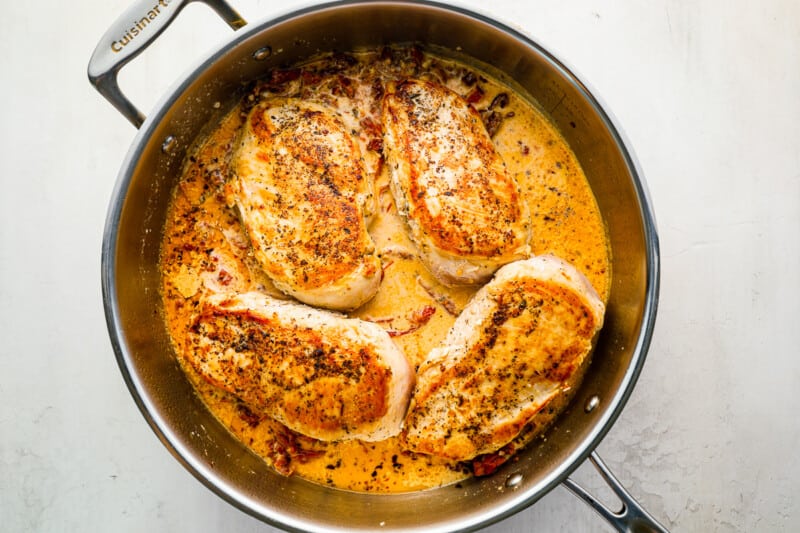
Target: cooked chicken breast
305,198
464,211
509,353
319,373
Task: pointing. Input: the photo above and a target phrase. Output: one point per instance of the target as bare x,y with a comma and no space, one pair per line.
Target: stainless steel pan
130,275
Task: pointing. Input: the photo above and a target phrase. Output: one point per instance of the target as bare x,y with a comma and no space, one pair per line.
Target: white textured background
708,93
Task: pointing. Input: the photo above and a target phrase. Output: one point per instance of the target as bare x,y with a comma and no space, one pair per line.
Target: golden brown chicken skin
304,196
319,373
464,211
512,350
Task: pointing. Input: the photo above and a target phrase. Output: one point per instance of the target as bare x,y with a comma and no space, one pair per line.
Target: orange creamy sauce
205,249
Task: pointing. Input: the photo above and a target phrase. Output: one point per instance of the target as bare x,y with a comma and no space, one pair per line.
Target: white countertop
709,96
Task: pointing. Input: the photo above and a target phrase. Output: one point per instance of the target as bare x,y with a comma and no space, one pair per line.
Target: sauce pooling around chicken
206,250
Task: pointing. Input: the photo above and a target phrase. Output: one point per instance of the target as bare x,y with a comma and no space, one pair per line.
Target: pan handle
632,518
134,31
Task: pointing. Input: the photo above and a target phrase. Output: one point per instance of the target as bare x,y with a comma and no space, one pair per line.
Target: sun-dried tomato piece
487,464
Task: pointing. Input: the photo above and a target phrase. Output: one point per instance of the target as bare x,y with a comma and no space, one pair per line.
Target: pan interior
131,279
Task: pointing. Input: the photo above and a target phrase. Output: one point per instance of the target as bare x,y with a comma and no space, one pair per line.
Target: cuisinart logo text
139,25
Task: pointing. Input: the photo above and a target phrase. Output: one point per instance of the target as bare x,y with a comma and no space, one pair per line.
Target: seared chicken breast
464,211
319,373
510,352
299,182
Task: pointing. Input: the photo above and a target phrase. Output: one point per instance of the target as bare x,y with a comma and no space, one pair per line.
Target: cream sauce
206,250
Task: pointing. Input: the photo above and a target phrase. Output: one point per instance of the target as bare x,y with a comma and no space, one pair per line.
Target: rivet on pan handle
632,518
134,31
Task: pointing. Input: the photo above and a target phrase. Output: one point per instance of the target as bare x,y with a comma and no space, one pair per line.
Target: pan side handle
134,31
632,518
